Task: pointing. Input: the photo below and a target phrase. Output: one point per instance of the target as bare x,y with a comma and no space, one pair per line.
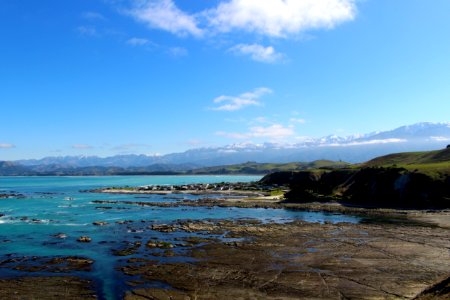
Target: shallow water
55,205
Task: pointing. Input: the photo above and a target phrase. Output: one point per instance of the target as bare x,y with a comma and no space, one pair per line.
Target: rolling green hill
432,163
265,168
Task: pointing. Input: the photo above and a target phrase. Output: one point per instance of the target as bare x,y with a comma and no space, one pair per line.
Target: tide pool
54,205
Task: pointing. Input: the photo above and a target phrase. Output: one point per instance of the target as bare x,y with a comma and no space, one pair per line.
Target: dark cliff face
378,187
396,187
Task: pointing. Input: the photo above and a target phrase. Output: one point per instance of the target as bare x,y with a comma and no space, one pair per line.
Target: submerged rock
100,223
163,228
159,244
84,239
60,235
131,249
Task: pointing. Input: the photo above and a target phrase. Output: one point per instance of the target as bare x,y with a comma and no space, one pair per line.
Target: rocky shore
248,259
300,260
240,188
390,254
57,287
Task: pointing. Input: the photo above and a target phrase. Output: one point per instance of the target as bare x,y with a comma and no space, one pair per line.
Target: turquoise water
55,205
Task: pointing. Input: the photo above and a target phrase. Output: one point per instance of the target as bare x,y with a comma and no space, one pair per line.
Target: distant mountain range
355,148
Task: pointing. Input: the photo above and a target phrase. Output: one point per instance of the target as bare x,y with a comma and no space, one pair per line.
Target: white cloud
137,41
280,18
232,103
275,131
369,142
82,147
266,18
7,146
165,15
297,120
440,138
258,52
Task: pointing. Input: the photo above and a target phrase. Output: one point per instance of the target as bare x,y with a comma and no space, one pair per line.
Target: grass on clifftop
433,163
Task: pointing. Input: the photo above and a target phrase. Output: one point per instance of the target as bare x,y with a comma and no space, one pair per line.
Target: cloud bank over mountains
355,148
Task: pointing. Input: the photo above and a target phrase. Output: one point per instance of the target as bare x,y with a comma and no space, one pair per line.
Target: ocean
55,205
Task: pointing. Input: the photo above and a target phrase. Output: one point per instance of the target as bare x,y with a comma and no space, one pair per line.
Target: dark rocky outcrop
373,186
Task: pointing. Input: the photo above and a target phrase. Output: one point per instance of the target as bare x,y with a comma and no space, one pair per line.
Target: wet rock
100,223
84,239
153,293
63,264
168,253
158,244
124,222
193,240
275,261
60,235
131,249
12,195
437,291
72,263
45,288
163,228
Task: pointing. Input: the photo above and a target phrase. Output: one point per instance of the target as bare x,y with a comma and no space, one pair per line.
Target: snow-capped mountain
355,148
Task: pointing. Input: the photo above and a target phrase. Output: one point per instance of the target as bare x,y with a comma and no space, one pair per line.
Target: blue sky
99,77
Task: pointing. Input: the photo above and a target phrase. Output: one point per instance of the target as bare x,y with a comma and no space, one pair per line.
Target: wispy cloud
232,103
369,142
195,142
297,120
178,51
267,18
440,138
165,15
261,120
138,41
130,147
93,16
7,146
258,52
87,31
82,147
275,131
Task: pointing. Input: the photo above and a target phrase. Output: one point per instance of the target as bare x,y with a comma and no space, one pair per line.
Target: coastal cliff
411,180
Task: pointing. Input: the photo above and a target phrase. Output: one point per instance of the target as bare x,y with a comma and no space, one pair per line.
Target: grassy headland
406,180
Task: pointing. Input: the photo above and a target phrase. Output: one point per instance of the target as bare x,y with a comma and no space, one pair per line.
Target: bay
54,205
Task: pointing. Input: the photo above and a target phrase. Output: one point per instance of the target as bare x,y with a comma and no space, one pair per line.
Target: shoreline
390,253
252,199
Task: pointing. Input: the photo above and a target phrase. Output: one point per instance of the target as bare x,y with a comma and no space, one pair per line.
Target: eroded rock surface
46,288
302,260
